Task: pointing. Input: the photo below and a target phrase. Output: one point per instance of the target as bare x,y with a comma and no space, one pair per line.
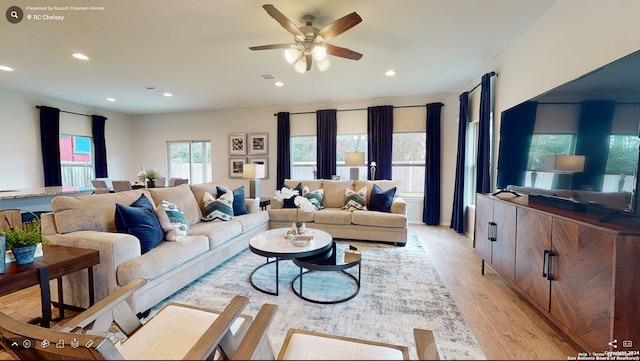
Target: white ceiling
198,50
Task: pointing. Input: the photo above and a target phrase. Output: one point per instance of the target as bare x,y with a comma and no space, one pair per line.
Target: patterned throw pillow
177,219
239,205
314,197
355,200
220,209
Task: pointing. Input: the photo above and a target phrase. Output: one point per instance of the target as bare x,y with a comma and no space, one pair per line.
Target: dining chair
99,186
121,185
310,345
160,181
176,332
180,181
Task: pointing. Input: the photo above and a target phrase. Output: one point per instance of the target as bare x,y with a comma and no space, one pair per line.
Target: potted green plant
22,241
151,175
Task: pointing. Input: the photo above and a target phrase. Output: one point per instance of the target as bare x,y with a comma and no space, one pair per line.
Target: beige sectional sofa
88,222
359,224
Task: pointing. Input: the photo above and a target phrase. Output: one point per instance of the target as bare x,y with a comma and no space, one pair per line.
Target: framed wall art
258,143
236,164
261,160
238,144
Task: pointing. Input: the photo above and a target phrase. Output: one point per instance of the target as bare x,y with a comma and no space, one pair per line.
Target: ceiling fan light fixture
301,65
291,55
323,64
320,52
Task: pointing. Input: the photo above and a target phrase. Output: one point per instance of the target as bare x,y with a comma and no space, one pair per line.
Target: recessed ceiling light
390,73
6,68
80,56
167,94
111,99
279,83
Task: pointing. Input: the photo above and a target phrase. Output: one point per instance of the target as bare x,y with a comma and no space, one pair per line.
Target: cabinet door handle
545,270
549,276
493,231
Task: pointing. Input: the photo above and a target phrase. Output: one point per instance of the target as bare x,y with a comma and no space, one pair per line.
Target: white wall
570,39
20,151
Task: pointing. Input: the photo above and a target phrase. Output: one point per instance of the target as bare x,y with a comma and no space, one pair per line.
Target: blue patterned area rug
400,290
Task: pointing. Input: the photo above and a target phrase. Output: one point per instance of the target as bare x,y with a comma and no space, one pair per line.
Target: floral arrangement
150,174
301,202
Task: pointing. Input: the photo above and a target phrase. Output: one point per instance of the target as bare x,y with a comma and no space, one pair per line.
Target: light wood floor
506,326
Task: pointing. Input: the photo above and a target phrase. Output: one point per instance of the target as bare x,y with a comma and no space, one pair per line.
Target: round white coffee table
274,244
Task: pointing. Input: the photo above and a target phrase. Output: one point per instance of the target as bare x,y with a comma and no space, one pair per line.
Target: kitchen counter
37,199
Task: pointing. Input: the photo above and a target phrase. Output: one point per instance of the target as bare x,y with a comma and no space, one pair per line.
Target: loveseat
90,222
389,225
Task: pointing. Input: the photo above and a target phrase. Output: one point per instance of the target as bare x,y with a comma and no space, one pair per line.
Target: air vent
267,76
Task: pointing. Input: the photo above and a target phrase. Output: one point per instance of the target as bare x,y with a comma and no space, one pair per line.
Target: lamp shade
354,159
564,163
253,171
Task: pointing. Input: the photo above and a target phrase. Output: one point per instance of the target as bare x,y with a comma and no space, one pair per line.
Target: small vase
24,255
3,253
151,184
302,228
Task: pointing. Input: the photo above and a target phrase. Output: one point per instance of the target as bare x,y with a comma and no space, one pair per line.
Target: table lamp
564,166
253,172
354,160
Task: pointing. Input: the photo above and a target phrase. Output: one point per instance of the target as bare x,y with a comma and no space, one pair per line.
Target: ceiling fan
310,42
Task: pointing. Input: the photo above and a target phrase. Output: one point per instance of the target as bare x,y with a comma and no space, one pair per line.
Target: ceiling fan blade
283,20
342,52
308,59
272,46
340,26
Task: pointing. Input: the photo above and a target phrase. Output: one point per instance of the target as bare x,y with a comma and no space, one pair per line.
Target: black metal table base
277,259
299,292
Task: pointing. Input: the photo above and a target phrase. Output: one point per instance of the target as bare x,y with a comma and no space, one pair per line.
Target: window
408,162
543,145
348,143
191,160
471,148
303,156
621,163
76,160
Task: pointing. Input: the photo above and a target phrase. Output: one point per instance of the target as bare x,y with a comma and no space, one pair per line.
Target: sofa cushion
334,192
289,202
380,219
250,221
315,197
217,232
220,209
355,200
239,206
289,215
380,200
332,216
93,212
140,220
182,197
163,258
177,220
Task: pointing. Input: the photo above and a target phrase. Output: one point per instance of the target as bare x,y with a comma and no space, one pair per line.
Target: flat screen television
578,142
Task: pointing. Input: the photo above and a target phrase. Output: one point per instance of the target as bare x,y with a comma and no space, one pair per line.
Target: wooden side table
55,262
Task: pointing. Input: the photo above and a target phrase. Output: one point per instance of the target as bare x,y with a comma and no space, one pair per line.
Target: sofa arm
114,248
252,204
399,206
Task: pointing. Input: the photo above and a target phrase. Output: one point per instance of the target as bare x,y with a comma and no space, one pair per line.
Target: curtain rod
68,112
355,109
475,87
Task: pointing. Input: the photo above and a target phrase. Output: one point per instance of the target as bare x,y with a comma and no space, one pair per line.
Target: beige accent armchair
176,332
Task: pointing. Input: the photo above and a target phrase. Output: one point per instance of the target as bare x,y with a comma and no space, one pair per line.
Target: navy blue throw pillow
288,203
140,220
380,200
239,205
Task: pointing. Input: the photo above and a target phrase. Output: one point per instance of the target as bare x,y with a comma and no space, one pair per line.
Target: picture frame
236,164
238,144
261,160
258,143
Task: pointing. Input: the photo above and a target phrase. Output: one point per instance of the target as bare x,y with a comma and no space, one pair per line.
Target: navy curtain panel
99,145
483,163
284,149
431,209
50,140
592,141
516,131
326,132
457,214
380,133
